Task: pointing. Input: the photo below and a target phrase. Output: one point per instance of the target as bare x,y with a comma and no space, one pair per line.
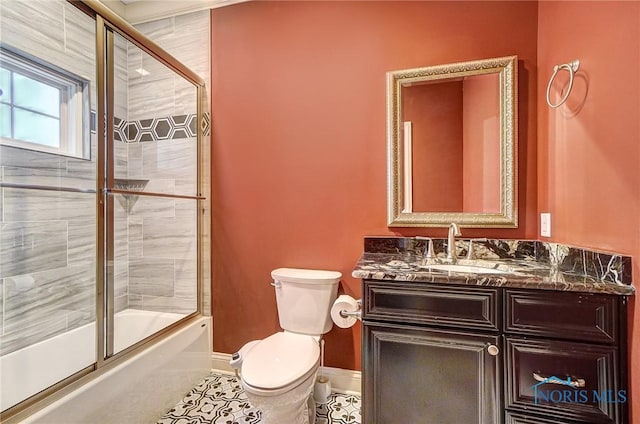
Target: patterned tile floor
219,399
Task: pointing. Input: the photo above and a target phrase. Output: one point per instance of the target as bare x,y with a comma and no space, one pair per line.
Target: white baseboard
342,381
220,363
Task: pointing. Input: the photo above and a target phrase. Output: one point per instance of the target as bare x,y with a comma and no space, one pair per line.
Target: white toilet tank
304,298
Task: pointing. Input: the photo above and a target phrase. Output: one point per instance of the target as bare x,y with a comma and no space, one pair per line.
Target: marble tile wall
166,231
156,142
47,238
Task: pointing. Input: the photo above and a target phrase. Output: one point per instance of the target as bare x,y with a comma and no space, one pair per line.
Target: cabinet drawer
463,307
573,316
513,418
569,380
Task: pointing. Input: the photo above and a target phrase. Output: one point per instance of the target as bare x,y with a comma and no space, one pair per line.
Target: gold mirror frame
399,211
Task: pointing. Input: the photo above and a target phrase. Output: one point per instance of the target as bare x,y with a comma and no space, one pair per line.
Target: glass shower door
152,202
99,202
47,197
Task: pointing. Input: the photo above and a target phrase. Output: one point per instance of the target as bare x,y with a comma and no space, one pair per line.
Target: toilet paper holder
356,314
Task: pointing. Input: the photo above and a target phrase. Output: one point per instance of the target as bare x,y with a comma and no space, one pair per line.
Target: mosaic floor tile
220,399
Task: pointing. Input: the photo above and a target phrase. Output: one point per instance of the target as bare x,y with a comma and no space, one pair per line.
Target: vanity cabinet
449,354
431,354
565,357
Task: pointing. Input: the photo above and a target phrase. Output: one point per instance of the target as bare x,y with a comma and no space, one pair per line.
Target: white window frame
74,113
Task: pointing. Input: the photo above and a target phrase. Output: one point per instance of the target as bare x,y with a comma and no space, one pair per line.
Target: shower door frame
105,172
107,24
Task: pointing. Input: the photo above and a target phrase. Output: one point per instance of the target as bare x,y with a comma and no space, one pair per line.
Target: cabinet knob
493,350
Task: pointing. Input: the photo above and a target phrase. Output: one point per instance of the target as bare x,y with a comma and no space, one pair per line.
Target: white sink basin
465,269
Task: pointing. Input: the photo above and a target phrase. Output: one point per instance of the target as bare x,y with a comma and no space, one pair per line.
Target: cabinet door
425,376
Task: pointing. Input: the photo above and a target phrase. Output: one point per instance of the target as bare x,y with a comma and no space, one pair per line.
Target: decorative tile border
174,127
206,124
118,130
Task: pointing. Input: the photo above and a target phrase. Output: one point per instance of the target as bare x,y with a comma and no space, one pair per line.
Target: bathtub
139,390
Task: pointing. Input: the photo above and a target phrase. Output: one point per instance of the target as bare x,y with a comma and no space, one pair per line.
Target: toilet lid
279,360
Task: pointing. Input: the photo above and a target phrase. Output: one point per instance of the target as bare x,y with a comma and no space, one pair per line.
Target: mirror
452,145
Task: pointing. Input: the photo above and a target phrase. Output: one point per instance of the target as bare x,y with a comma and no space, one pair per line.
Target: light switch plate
545,224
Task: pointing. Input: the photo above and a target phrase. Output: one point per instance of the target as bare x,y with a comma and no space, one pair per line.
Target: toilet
278,373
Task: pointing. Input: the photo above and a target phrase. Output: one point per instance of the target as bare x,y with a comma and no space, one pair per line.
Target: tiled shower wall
47,262
186,37
47,238
158,144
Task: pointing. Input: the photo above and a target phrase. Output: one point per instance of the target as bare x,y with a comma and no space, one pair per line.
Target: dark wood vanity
478,349
532,332
426,354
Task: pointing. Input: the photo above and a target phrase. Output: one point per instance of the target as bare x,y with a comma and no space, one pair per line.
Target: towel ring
572,68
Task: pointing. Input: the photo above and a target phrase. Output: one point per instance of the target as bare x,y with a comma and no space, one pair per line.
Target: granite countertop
526,264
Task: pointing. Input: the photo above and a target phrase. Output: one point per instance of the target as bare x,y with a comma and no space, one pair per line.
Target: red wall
299,149
589,149
437,133
481,152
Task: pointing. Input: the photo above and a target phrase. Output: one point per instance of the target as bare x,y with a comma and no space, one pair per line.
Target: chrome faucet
454,231
428,249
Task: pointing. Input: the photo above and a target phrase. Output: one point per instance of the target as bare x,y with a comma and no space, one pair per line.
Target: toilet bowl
278,373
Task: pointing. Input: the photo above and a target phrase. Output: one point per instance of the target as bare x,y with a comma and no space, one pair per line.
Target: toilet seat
279,361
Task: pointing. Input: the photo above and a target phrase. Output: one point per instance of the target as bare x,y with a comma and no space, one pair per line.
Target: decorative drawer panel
466,307
564,380
573,316
514,418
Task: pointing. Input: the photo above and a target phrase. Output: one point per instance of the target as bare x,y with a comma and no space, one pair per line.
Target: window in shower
43,107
